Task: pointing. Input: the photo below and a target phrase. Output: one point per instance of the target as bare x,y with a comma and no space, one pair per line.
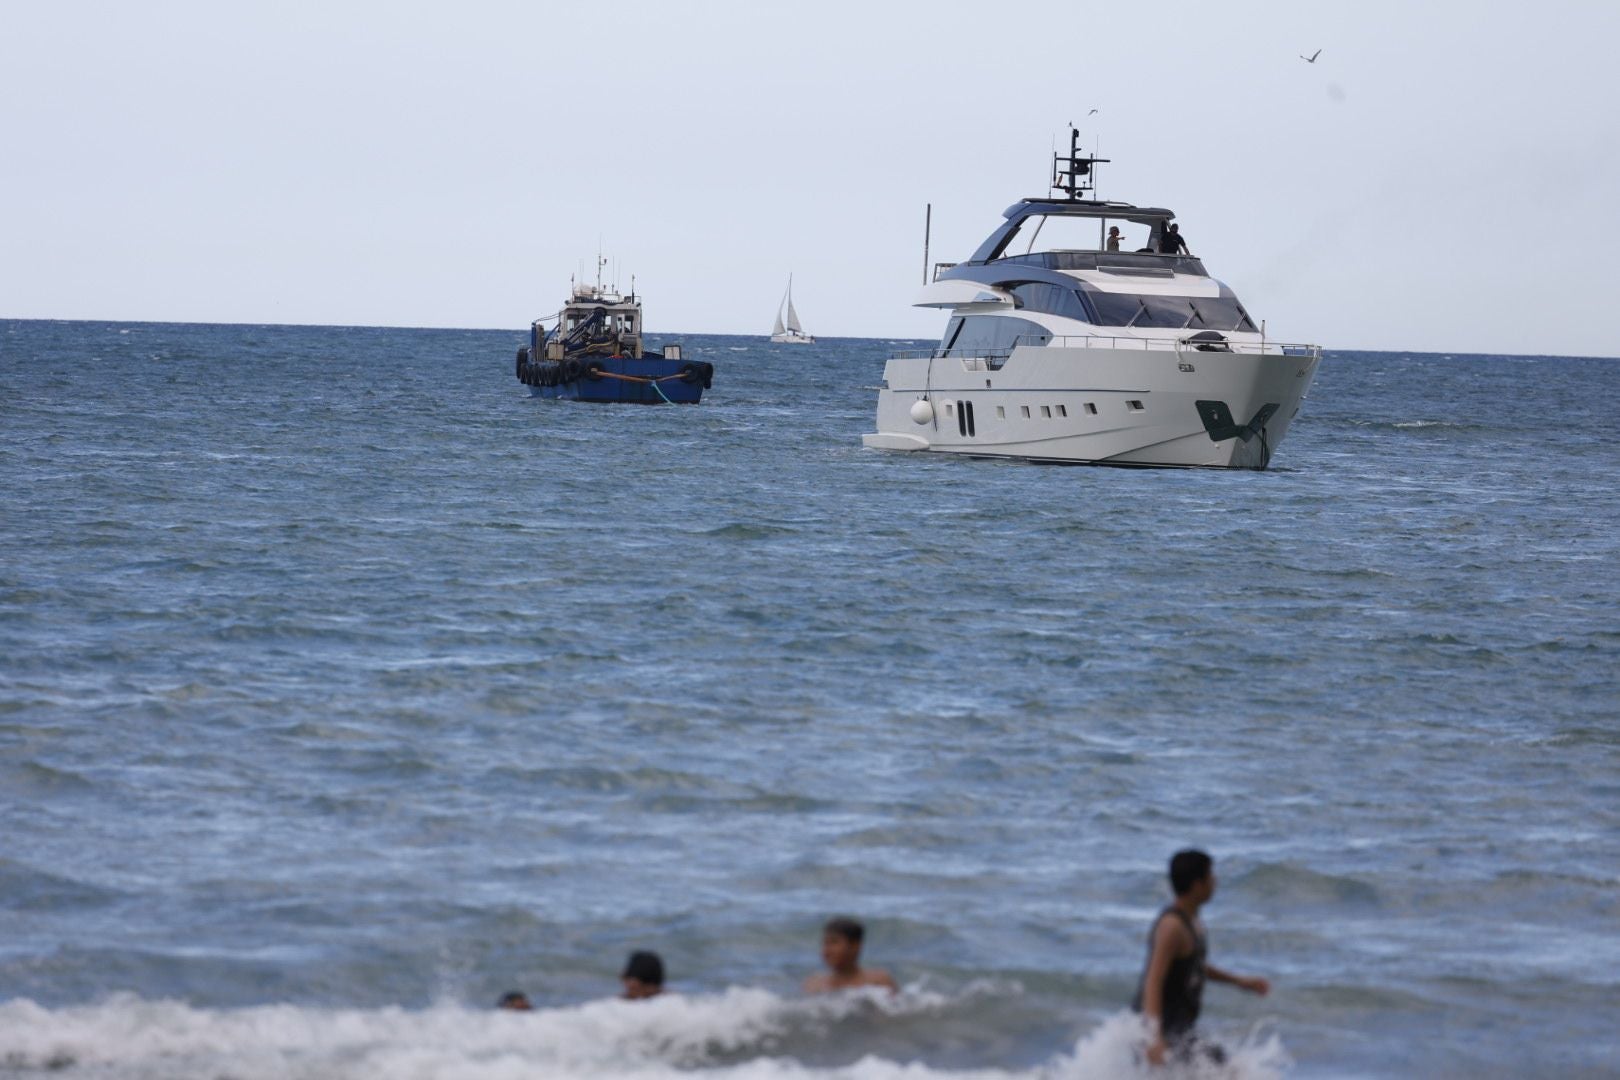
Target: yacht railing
1099,341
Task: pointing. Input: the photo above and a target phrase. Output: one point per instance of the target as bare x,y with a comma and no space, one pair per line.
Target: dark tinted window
1175,312
1051,299
981,335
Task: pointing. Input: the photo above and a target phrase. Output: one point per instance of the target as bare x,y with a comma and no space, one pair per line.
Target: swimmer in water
841,951
1172,988
515,1000
643,976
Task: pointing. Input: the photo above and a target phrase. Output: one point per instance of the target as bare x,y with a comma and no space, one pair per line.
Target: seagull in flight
1093,112
1311,59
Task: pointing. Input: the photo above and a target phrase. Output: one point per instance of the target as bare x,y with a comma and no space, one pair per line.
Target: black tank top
1183,983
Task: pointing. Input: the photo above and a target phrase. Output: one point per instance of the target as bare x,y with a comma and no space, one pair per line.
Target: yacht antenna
928,228
1073,174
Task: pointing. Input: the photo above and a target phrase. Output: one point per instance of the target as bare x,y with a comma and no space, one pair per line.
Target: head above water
643,975
516,1000
1190,869
841,944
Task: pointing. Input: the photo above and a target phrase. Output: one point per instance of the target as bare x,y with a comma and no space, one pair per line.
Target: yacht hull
1168,408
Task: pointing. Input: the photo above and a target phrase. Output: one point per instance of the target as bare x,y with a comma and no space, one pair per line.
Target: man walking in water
1172,987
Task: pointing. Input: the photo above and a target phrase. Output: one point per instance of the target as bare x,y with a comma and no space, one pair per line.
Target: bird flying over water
1311,59
1093,112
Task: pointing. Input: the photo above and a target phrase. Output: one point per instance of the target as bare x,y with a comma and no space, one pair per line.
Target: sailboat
791,333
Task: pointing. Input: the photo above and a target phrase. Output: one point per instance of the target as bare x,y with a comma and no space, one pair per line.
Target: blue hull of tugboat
647,380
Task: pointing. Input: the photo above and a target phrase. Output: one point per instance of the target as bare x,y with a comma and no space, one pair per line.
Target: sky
1443,178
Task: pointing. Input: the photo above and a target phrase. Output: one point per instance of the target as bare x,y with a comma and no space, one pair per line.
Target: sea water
343,687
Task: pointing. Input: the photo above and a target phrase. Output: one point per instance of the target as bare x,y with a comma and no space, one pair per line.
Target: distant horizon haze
1432,183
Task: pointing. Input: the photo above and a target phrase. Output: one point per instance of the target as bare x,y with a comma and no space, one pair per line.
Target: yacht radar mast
1072,173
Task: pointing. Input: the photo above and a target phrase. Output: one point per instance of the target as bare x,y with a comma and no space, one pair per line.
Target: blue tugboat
594,353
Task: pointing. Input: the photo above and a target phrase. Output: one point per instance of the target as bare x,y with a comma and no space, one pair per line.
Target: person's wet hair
1188,868
846,928
514,999
644,967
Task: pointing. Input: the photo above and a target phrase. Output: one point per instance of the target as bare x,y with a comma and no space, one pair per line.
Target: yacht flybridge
1118,350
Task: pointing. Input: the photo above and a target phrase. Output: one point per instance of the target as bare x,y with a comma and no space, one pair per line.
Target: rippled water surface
343,687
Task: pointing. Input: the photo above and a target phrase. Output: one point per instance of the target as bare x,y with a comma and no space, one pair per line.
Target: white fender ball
921,411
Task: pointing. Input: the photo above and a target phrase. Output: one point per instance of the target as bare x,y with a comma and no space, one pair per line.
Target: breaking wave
740,1034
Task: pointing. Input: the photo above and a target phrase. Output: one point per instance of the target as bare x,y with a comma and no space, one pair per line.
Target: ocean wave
1297,884
740,1034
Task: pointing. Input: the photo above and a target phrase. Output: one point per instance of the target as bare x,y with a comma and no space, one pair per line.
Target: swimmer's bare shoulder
829,984
879,977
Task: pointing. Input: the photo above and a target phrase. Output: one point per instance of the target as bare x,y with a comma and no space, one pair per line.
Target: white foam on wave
731,1035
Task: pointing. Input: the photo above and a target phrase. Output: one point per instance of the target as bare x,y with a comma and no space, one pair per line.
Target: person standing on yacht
1171,992
1114,238
1172,242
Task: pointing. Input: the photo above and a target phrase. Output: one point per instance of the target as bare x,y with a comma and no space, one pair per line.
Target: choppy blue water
343,686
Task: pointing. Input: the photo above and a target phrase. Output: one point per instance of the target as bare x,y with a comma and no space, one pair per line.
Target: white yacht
789,333
1122,353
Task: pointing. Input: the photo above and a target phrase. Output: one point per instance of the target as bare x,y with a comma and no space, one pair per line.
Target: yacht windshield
1174,312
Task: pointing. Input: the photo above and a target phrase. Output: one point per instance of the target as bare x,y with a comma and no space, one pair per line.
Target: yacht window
1001,412
1026,411
1051,299
1176,312
1063,410
982,335
1091,409
1222,313
1046,412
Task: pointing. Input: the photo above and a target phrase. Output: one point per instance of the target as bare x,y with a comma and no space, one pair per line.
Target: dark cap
644,967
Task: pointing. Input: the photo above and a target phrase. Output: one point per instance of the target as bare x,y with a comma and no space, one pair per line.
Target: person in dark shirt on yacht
1172,242
1171,992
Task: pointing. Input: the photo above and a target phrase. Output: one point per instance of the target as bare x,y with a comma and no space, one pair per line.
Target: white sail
793,332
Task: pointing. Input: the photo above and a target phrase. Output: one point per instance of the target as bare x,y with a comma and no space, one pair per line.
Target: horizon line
701,333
